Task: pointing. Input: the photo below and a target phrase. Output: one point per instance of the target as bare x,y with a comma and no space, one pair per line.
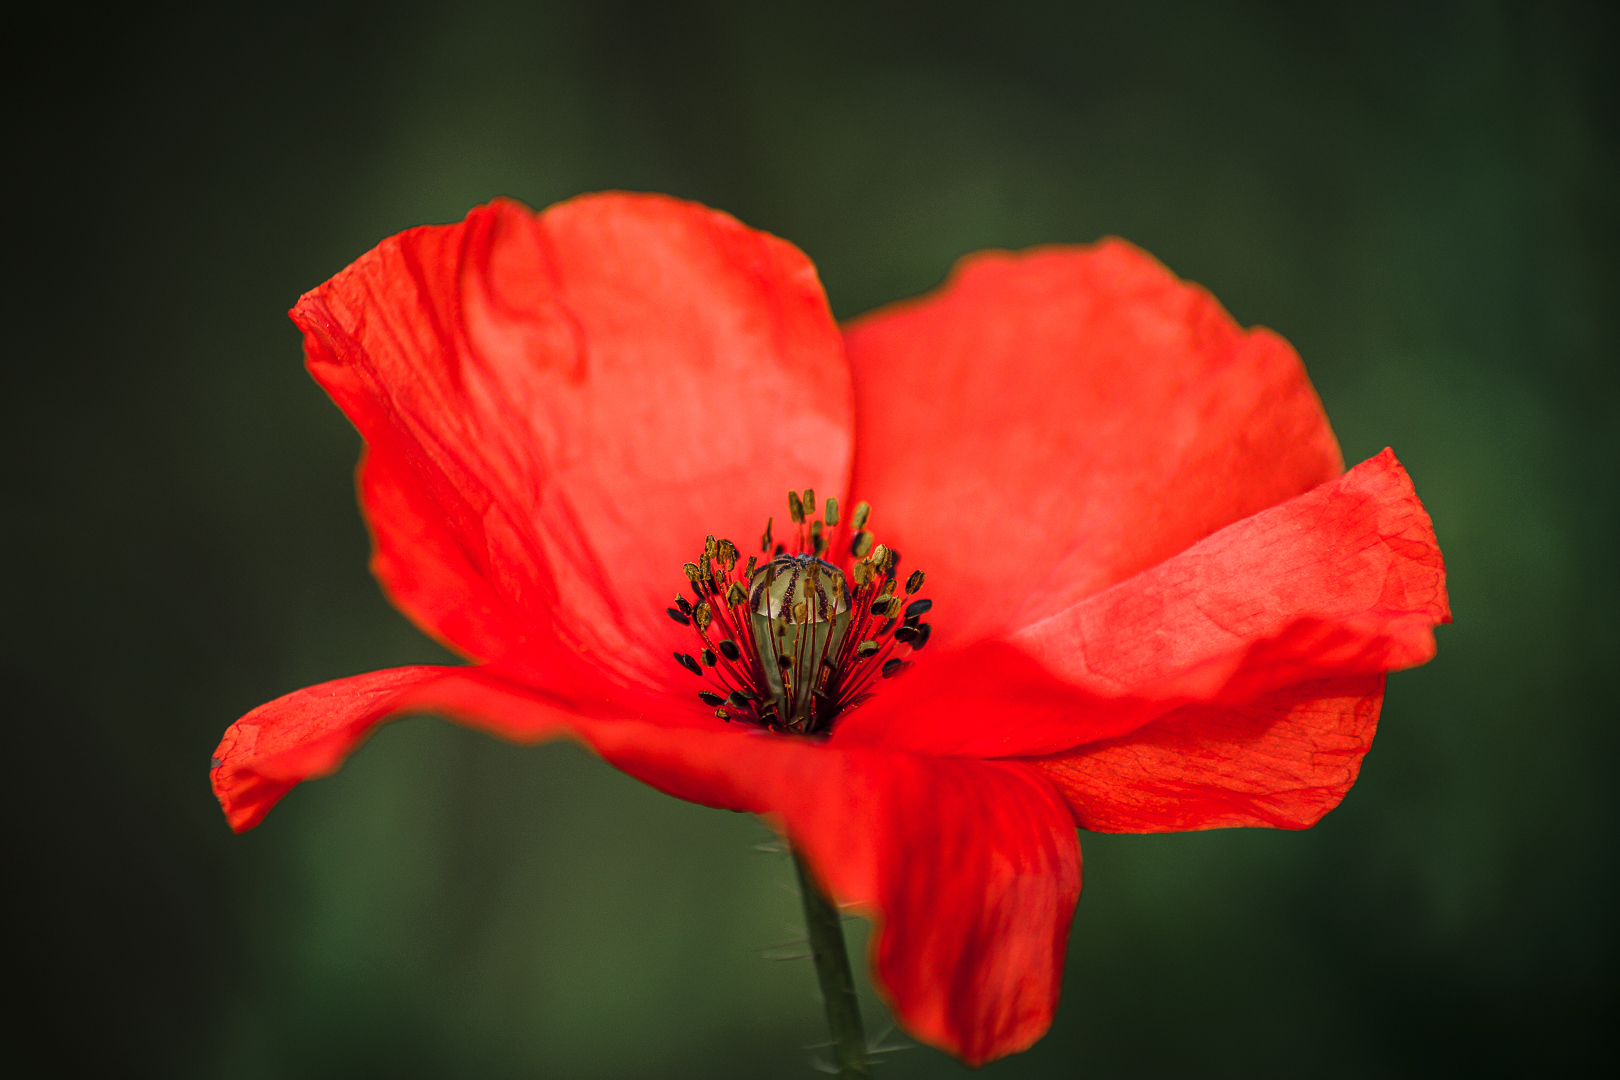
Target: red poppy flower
1158,601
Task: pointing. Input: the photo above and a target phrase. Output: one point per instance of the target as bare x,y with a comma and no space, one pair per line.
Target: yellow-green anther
795,507
765,541
694,575
809,502
709,546
864,574
727,552
832,510
866,648
914,582
736,594
862,512
862,544
748,572
701,615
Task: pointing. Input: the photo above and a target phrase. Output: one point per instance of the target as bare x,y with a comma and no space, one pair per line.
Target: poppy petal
1281,761
1344,580
969,869
559,407
1049,423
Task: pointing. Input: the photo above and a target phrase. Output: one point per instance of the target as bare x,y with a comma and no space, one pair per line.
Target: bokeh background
1420,196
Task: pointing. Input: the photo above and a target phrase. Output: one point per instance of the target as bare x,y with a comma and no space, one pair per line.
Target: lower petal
970,870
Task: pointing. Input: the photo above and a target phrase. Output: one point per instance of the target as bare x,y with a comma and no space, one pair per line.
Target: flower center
791,644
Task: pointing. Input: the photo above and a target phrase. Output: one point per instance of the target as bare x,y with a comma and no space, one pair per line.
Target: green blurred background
1421,197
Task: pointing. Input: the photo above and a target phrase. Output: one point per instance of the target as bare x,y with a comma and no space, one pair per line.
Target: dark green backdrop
1420,196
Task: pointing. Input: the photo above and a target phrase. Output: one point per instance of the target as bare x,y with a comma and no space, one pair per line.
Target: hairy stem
826,930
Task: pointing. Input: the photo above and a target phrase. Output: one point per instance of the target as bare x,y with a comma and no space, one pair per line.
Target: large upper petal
559,407
969,869
1345,580
1281,761
1050,423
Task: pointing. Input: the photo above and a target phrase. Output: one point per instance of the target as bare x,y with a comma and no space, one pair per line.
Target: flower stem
826,929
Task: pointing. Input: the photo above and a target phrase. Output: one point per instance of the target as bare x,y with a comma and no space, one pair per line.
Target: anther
914,582
710,698
866,648
832,512
736,594
809,503
922,636
764,541
675,613
862,543
795,508
688,663
738,699
684,604
722,714
905,633
709,659
702,615
891,668
917,607
729,650
862,512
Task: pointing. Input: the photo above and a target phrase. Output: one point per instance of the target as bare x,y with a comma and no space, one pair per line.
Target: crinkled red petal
1050,423
1281,762
969,869
559,407
1345,580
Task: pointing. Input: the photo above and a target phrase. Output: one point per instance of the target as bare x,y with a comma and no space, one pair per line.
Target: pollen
792,642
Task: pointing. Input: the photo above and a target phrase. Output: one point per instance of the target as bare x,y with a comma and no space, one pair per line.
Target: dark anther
684,604
675,613
912,620
728,649
832,511
881,607
886,627
866,648
722,714
795,508
711,698
748,572
708,657
891,668
922,635
765,541
905,633
862,543
781,549
688,663
738,699
918,607
914,582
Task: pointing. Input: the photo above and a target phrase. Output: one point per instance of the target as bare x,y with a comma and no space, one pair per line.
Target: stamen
794,642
